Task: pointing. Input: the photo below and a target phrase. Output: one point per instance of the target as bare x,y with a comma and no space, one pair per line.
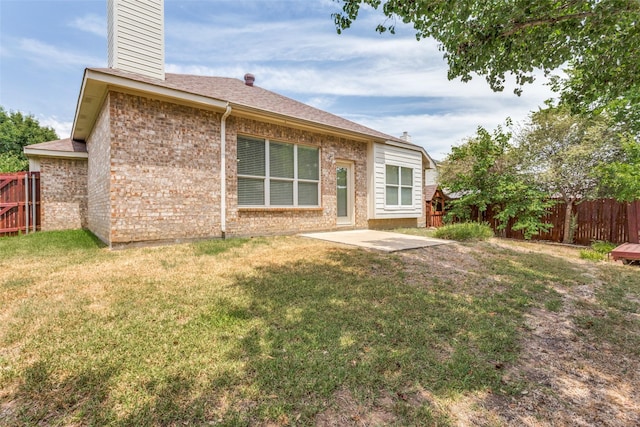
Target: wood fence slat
14,207
601,219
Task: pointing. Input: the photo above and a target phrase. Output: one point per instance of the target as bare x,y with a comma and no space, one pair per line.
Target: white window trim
398,186
266,180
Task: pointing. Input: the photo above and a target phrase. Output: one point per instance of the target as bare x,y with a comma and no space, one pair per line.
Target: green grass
256,331
467,231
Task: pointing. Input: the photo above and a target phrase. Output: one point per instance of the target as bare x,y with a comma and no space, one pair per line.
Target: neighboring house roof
60,148
242,97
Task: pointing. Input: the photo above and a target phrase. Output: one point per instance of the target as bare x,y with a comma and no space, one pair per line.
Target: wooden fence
602,219
19,203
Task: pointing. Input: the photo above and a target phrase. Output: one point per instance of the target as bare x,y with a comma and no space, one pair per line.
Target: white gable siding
397,156
136,36
430,176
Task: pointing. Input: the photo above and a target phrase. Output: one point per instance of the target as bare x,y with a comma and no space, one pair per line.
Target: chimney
249,79
406,137
135,36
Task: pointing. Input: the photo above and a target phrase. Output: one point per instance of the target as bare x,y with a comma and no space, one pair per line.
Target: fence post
34,220
26,203
633,219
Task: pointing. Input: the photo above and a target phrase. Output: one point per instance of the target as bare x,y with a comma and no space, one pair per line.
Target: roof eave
30,152
96,84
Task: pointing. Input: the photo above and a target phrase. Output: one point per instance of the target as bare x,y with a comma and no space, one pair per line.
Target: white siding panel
397,156
136,36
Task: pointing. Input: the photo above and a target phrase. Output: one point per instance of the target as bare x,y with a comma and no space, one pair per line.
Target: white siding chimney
136,36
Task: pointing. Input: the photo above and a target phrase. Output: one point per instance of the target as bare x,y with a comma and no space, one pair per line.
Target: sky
391,83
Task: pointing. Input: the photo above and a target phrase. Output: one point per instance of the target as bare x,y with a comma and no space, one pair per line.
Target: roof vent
249,79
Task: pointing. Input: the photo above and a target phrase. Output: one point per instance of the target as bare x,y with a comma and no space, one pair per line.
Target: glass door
344,193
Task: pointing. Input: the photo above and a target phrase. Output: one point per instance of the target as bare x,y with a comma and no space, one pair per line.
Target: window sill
282,209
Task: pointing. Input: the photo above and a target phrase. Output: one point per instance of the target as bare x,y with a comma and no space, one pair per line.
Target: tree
560,153
621,179
598,38
482,174
16,132
9,162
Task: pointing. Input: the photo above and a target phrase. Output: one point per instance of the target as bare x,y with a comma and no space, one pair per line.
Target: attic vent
249,79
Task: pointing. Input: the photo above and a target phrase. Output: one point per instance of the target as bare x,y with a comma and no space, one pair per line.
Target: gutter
223,171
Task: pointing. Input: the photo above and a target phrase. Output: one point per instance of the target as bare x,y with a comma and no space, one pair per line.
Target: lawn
285,330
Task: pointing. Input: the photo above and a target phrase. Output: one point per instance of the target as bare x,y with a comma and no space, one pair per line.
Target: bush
464,231
591,255
602,247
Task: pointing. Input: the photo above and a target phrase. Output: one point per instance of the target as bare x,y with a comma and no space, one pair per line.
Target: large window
399,186
277,174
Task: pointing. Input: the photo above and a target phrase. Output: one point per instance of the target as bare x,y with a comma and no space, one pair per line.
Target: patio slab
379,240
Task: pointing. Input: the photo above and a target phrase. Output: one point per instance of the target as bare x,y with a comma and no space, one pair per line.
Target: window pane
281,160
407,196
407,176
342,202
392,196
251,156
250,192
308,167
281,193
341,176
392,175
307,194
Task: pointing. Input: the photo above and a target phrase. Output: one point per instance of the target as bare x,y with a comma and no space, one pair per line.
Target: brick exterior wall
153,175
247,222
63,188
164,179
99,176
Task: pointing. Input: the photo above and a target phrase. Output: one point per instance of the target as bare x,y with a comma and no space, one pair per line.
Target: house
159,157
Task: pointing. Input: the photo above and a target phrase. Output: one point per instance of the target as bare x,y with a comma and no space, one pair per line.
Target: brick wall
99,176
63,188
154,175
244,222
164,170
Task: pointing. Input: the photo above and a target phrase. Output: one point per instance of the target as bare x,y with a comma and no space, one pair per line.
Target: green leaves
598,39
17,131
621,179
483,174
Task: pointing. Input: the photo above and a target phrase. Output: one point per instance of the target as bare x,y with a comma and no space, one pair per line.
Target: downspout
223,171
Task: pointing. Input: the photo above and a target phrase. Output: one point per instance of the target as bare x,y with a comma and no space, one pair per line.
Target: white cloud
47,55
62,128
91,23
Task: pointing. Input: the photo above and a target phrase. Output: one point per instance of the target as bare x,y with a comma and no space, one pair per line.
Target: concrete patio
379,240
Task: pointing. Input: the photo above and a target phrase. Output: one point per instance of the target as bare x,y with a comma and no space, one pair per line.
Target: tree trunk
568,230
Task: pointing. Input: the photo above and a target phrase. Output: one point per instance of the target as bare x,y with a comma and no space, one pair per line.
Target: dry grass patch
294,331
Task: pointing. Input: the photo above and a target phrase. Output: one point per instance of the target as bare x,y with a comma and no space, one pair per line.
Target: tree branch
518,26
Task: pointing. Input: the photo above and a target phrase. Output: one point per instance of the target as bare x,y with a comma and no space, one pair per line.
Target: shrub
602,247
464,231
591,255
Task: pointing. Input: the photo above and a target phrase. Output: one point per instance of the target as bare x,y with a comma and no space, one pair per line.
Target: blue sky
391,83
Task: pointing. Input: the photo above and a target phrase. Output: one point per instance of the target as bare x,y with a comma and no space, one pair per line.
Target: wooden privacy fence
19,202
602,219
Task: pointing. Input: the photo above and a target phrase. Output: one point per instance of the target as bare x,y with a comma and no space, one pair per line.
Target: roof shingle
237,93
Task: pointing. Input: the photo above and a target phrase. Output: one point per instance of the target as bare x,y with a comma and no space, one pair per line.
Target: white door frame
347,220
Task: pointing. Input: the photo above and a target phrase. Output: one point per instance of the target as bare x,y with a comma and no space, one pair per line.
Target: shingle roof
65,145
237,93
